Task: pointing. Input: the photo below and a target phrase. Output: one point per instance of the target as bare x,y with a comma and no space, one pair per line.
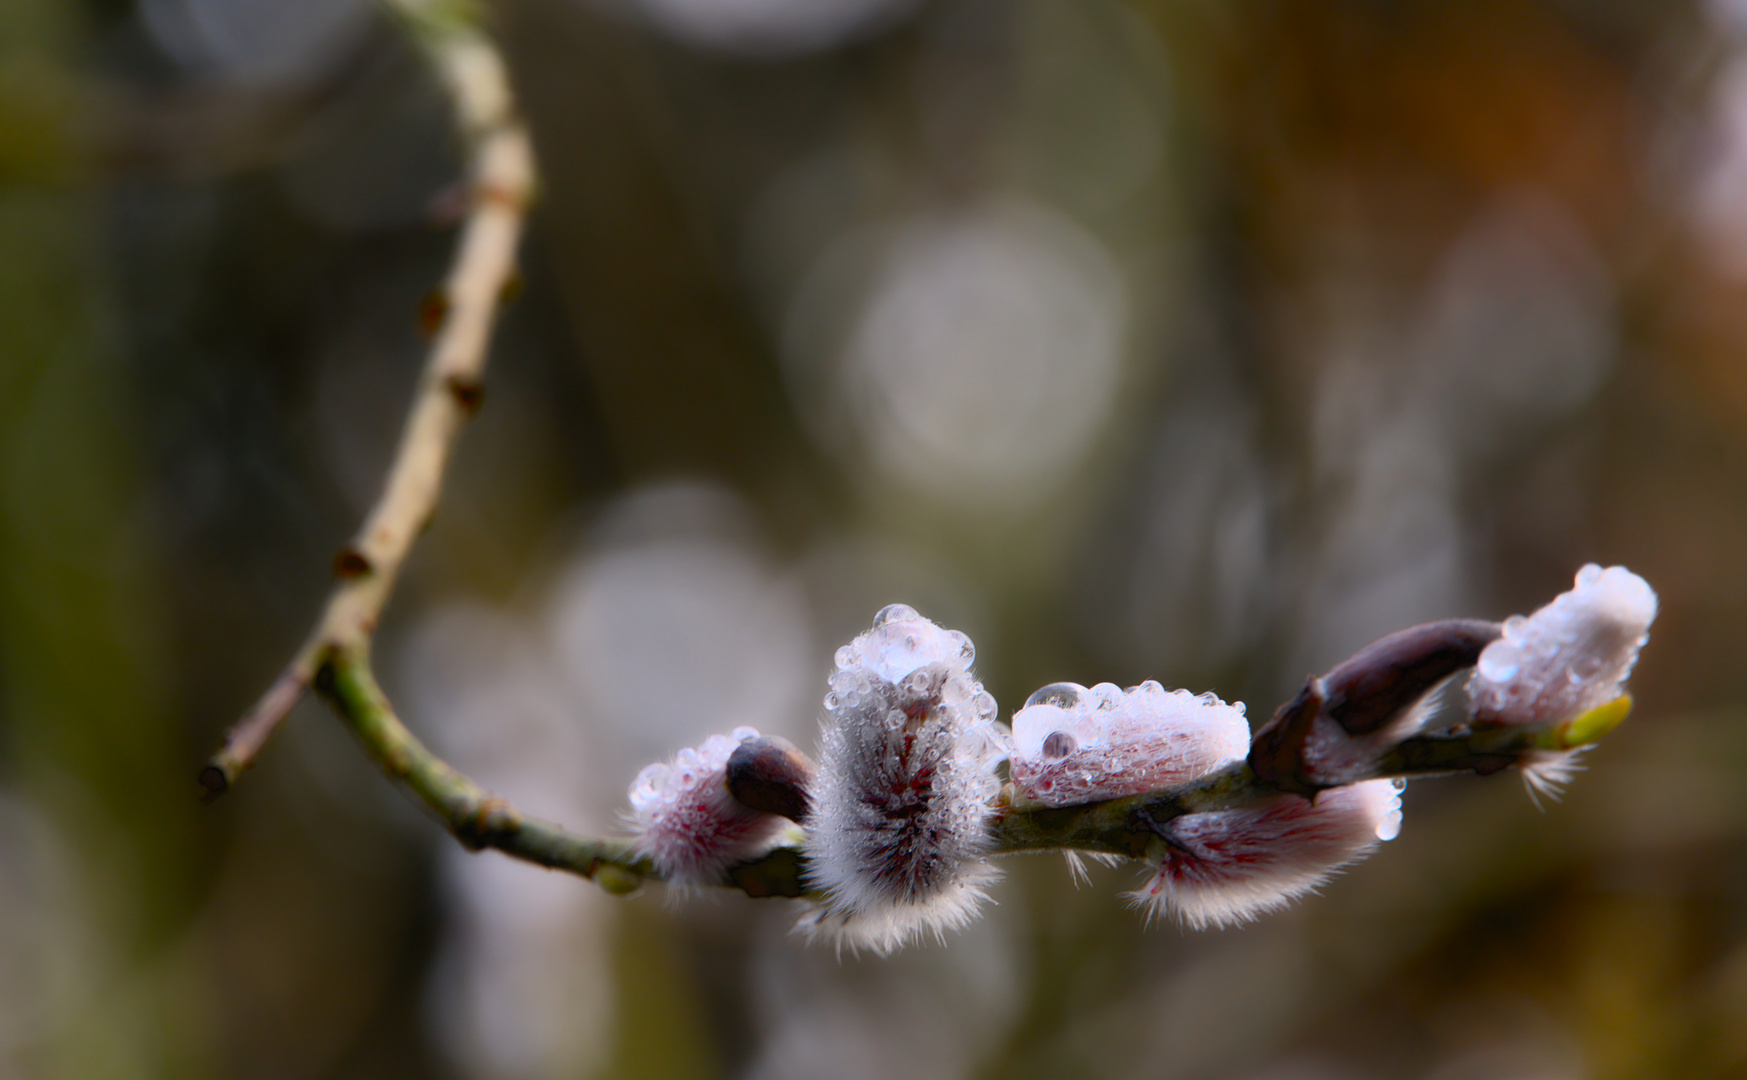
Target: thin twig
476,817
501,172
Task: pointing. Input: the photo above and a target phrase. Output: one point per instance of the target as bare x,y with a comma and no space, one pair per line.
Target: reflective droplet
1589,575
966,651
984,705
652,779
832,702
1059,745
1514,628
894,613
845,657
1063,695
1499,663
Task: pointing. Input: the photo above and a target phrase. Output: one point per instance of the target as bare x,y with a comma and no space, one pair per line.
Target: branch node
433,312
469,393
491,821
615,880
213,782
351,563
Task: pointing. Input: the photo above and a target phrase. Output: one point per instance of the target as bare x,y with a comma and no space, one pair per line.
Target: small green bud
1587,727
617,880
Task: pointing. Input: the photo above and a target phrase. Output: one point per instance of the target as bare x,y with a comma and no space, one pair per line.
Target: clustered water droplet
1076,744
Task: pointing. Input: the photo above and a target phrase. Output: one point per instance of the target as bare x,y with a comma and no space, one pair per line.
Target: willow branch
1123,827
335,659
500,164
475,816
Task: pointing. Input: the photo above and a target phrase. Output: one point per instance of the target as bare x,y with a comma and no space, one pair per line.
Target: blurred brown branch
501,173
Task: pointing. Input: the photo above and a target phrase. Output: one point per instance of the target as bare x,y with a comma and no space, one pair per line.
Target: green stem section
475,816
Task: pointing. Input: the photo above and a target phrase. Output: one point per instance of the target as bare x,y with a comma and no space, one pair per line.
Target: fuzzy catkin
687,823
1571,656
898,832
1230,866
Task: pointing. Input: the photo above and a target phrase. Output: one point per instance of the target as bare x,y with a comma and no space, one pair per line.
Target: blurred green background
1198,340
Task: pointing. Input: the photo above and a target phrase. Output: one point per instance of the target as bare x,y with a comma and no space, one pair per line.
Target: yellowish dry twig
501,174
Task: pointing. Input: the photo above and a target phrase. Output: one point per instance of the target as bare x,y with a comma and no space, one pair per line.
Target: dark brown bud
1385,678
1364,694
770,774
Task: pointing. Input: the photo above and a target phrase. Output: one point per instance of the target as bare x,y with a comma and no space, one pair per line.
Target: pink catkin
688,824
1230,866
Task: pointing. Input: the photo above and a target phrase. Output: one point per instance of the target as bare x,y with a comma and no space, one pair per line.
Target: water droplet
1059,745
1063,695
1515,628
966,651
832,702
743,733
650,781
895,613
1499,663
1589,575
845,657
984,705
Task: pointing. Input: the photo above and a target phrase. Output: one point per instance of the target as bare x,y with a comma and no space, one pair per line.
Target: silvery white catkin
1073,744
688,824
898,832
1230,866
1569,657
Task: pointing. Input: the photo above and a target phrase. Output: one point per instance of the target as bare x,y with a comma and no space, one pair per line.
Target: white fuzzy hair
1231,866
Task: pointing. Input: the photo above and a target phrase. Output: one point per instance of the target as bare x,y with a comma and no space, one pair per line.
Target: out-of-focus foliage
1197,340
